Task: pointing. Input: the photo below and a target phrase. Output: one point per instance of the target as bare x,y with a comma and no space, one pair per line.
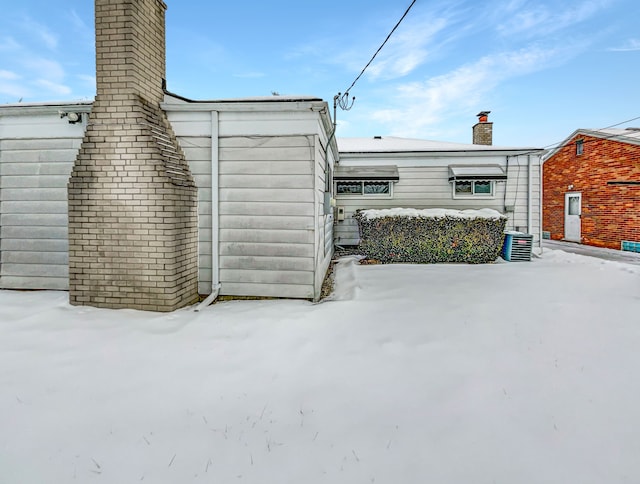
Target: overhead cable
379,48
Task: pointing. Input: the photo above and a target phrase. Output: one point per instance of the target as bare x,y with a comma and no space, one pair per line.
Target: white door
572,211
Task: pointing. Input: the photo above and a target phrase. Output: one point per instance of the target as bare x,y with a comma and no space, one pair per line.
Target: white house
144,199
265,223
388,172
263,170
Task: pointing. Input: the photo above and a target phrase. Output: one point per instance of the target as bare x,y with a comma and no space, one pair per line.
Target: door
572,211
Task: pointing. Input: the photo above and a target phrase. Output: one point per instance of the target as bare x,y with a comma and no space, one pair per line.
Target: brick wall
482,133
132,200
610,212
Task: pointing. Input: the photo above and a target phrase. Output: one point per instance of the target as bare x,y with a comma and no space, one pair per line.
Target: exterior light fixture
72,117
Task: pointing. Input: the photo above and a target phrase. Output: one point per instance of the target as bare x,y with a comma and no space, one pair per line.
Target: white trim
568,195
215,203
345,196
473,196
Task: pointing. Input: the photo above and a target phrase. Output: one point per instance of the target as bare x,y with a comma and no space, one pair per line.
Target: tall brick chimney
483,130
132,199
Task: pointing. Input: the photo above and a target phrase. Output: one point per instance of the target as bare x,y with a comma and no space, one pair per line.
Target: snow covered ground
503,373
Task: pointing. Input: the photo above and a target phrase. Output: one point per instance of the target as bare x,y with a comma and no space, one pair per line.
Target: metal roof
476,172
363,173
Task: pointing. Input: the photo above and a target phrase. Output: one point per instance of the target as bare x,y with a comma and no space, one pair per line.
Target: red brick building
591,189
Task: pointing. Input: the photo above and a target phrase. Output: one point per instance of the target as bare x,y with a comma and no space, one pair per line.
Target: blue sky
543,68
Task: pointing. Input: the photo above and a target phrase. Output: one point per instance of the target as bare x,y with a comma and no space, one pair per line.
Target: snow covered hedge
431,235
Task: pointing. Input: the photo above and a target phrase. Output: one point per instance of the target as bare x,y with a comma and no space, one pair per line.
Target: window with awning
475,180
365,180
476,172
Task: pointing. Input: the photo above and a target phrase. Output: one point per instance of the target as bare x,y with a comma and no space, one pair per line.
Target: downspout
506,187
529,194
215,217
540,208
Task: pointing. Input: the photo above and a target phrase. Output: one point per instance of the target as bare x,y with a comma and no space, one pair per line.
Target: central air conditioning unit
517,246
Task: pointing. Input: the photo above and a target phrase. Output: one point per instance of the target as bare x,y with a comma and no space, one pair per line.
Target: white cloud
45,68
541,20
419,39
53,87
250,75
8,75
78,22
421,104
12,89
90,81
36,29
83,30
409,48
631,45
9,44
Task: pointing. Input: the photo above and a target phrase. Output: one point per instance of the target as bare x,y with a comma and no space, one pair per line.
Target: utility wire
560,144
618,124
380,48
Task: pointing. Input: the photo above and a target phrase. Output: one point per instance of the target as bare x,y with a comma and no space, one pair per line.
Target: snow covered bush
431,235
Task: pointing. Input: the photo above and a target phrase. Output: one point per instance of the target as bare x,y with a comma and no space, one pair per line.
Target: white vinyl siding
273,202
194,136
424,183
274,238
37,151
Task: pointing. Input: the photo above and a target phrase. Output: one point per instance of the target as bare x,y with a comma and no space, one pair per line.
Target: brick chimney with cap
132,199
483,130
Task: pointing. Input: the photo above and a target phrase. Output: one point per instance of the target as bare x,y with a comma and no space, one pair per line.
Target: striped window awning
476,173
366,173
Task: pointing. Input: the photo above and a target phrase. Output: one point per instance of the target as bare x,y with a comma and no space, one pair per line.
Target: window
473,188
366,188
470,181
579,147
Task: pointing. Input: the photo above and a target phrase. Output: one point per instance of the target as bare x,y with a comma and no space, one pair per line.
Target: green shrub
448,236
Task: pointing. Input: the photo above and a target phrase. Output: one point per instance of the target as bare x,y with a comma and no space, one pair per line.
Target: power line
560,143
342,100
618,124
381,46
607,136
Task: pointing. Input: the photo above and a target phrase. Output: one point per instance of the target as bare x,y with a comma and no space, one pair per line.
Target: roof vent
377,137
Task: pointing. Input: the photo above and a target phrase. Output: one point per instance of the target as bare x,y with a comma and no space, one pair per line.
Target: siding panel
266,187
266,290
34,171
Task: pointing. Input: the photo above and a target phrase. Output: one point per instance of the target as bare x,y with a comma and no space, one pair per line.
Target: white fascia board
30,109
246,106
472,154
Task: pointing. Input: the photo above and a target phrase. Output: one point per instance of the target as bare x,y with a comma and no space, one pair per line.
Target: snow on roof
392,144
172,98
432,213
47,104
624,135
633,133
